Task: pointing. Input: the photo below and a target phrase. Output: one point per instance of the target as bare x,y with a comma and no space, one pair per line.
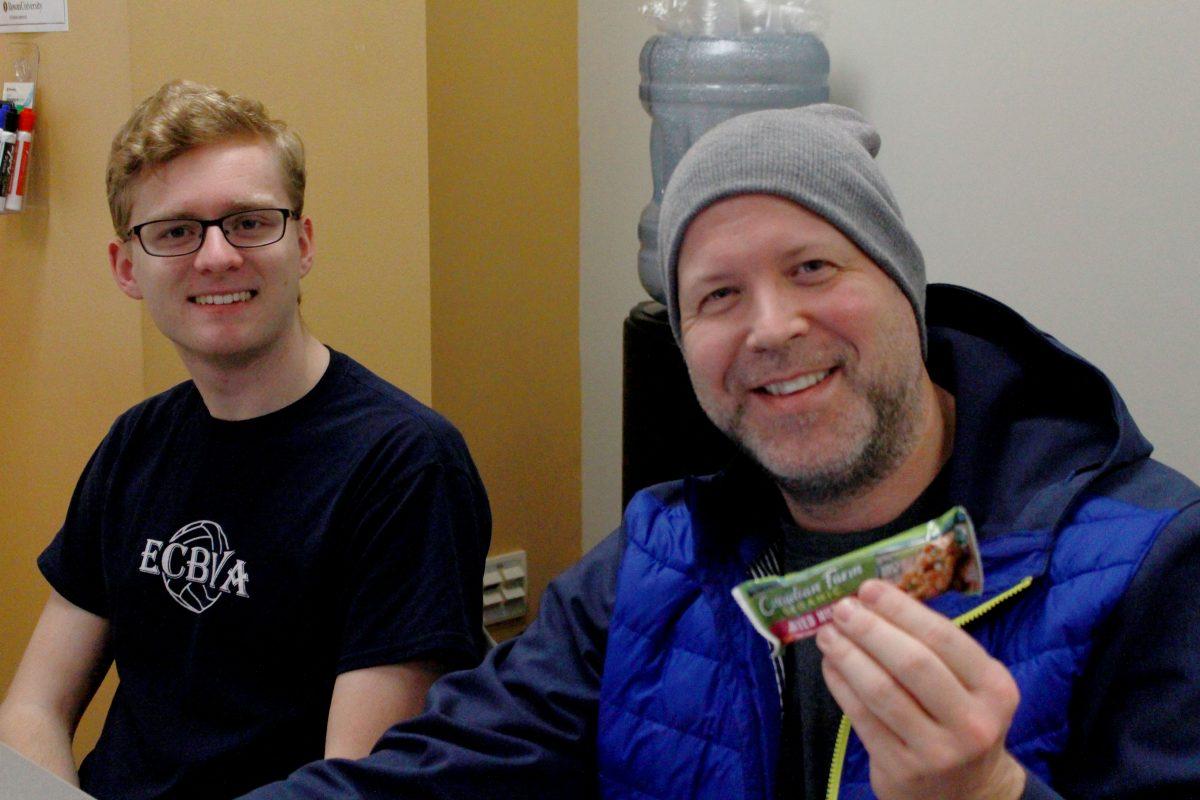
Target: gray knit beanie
820,156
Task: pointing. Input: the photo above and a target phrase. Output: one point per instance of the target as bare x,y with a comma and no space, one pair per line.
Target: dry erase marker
8,144
20,169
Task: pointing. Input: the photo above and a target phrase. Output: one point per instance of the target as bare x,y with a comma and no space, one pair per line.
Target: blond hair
182,115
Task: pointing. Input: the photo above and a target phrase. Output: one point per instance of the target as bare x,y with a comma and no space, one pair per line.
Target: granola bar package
938,556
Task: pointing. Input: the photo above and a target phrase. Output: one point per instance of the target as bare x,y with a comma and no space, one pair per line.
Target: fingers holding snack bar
931,706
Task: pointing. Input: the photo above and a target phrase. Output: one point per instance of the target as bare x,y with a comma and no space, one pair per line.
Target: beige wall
69,355
504,168
615,184
351,80
496,354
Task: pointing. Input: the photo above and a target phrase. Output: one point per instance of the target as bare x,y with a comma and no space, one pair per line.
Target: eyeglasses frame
205,224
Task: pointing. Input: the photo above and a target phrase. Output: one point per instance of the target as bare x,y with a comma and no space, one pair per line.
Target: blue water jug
691,83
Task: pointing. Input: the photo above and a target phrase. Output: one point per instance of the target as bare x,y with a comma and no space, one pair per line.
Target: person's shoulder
391,412
384,397
143,427
739,482
159,409
1150,484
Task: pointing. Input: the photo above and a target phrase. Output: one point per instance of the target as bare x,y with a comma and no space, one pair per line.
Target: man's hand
931,706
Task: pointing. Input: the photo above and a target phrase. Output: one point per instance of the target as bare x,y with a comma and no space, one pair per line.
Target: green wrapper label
938,556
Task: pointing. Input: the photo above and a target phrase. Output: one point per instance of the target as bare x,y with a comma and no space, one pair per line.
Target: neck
251,386
886,500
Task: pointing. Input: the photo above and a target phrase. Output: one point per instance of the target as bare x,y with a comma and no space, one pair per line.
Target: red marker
20,168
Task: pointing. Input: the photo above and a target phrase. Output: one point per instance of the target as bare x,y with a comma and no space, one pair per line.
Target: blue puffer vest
689,706
1059,482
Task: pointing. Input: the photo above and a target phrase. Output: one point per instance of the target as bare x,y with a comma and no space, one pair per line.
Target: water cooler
688,85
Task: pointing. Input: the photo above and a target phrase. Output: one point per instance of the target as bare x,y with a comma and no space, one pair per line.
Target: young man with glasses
281,554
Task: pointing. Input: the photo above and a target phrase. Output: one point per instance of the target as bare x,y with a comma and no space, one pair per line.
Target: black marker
8,147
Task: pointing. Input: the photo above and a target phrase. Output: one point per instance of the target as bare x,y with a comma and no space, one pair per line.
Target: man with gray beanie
864,403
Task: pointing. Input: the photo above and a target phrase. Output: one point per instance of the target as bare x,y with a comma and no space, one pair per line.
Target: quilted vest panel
1044,634
688,702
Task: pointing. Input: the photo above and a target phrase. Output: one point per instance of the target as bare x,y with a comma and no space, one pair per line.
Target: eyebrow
232,208
705,279
719,273
798,251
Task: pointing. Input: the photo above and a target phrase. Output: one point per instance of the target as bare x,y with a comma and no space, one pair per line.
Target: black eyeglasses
180,237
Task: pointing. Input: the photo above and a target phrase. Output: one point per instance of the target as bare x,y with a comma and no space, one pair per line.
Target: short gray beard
888,443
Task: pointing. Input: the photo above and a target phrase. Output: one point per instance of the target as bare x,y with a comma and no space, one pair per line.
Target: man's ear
121,263
305,240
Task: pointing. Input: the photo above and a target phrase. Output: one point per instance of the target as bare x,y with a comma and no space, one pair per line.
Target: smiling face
221,304
800,348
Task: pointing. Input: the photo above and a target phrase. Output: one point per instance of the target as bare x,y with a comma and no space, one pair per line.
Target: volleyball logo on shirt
197,565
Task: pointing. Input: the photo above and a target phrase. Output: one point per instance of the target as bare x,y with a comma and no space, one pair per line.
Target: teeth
803,382
221,299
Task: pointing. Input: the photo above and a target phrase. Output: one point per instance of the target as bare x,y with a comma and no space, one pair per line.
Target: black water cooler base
665,434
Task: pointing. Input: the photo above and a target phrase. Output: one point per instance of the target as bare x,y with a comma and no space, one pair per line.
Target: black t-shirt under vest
810,714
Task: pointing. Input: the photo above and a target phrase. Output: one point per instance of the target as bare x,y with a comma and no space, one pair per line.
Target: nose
216,254
776,318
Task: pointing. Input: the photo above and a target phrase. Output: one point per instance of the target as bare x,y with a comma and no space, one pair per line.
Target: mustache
758,369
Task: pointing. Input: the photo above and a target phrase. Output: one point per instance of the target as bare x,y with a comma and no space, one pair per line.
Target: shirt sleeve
1135,728
72,563
521,725
413,571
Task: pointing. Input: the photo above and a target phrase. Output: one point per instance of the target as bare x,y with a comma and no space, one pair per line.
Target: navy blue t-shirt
244,565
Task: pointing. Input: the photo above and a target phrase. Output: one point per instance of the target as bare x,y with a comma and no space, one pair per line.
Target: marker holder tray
19,63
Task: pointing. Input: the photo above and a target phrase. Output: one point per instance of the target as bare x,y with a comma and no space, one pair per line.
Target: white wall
614,165
1046,152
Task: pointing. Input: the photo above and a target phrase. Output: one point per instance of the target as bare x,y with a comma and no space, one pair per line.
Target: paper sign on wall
26,16
18,92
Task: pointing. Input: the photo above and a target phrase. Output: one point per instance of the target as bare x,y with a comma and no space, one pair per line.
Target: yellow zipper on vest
839,756
843,735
